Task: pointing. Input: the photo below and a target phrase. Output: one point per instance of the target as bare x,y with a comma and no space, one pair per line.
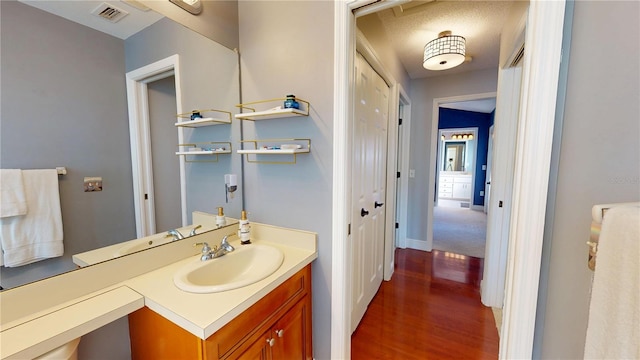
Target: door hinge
500,203
146,196
349,230
397,226
399,121
398,175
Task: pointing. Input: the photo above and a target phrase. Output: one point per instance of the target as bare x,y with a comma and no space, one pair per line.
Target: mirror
64,103
454,156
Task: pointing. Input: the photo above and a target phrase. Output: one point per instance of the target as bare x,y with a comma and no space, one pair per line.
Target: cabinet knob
363,212
377,204
280,332
271,342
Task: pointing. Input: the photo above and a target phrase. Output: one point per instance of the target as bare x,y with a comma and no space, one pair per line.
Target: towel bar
597,213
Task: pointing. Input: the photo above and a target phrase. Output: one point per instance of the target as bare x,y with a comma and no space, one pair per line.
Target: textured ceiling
480,22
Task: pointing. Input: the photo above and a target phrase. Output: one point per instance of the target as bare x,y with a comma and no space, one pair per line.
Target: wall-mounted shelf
273,113
204,117
291,147
205,149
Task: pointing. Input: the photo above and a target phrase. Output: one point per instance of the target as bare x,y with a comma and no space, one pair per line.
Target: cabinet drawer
446,179
444,186
462,179
251,323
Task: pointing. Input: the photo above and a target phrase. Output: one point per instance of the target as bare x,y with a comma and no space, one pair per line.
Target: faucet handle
205,247
193,231
224,243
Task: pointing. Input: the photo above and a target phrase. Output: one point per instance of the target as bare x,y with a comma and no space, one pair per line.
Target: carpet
460,231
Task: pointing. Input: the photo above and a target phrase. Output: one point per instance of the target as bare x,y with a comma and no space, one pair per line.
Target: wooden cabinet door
259,350
290,334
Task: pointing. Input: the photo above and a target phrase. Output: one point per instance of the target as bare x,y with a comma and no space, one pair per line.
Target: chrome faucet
178,236
193,231
208,253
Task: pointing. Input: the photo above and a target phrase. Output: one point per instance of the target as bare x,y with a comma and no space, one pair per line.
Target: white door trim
435,115
140,140
403,201
533,159
544,35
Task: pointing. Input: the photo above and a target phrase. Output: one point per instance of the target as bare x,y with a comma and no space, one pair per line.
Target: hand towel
38,234
12,196
613,330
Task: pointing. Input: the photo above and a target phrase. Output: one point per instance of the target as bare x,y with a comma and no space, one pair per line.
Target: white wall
599,159
287,48
423,91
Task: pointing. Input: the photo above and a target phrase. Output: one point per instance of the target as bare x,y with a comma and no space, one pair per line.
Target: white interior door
369,184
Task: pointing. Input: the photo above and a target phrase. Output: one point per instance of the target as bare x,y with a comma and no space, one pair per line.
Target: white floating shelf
210,152
202,122
273,152
271,114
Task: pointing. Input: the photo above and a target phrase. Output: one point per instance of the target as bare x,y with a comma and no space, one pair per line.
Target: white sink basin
244,266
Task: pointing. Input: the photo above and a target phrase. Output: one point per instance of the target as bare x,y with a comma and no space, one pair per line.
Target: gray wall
423,91
599,160
287,48
218,20
64,104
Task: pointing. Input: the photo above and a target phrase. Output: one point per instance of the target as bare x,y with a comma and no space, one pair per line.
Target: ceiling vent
109,12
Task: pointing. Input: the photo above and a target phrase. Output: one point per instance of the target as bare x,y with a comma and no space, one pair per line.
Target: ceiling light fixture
445,52
192,6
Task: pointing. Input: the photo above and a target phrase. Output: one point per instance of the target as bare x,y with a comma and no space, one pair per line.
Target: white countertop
204,314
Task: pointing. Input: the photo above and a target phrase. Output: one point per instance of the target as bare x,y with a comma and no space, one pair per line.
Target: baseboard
417,244
477,207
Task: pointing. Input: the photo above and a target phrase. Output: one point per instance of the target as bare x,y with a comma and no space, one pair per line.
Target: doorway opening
140,140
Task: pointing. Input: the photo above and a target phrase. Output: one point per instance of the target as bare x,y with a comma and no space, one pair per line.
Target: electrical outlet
484,167
481,193
412,173
92,184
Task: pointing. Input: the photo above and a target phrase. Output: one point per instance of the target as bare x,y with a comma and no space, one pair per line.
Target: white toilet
68,351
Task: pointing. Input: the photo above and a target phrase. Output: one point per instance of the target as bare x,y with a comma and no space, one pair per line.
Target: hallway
430,309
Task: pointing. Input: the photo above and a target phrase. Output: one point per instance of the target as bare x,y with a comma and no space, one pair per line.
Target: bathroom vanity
270,316
278,326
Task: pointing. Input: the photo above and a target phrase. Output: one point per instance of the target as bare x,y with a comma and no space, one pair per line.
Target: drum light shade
445,52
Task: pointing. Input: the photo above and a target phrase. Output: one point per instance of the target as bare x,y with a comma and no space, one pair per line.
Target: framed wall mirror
64,103
454,156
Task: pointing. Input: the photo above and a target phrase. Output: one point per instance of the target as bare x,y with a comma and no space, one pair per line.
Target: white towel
613,331
37,235
12,196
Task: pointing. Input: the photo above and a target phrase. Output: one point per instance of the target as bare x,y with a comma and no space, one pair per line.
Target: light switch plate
412,173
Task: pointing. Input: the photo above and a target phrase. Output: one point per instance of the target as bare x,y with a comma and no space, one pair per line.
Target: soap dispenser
221,220
244,231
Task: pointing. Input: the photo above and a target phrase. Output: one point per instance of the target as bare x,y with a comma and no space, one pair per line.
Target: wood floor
430,309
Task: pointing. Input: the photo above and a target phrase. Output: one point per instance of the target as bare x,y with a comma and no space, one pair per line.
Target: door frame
402,200
140,140
433,161
535,135
441,155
